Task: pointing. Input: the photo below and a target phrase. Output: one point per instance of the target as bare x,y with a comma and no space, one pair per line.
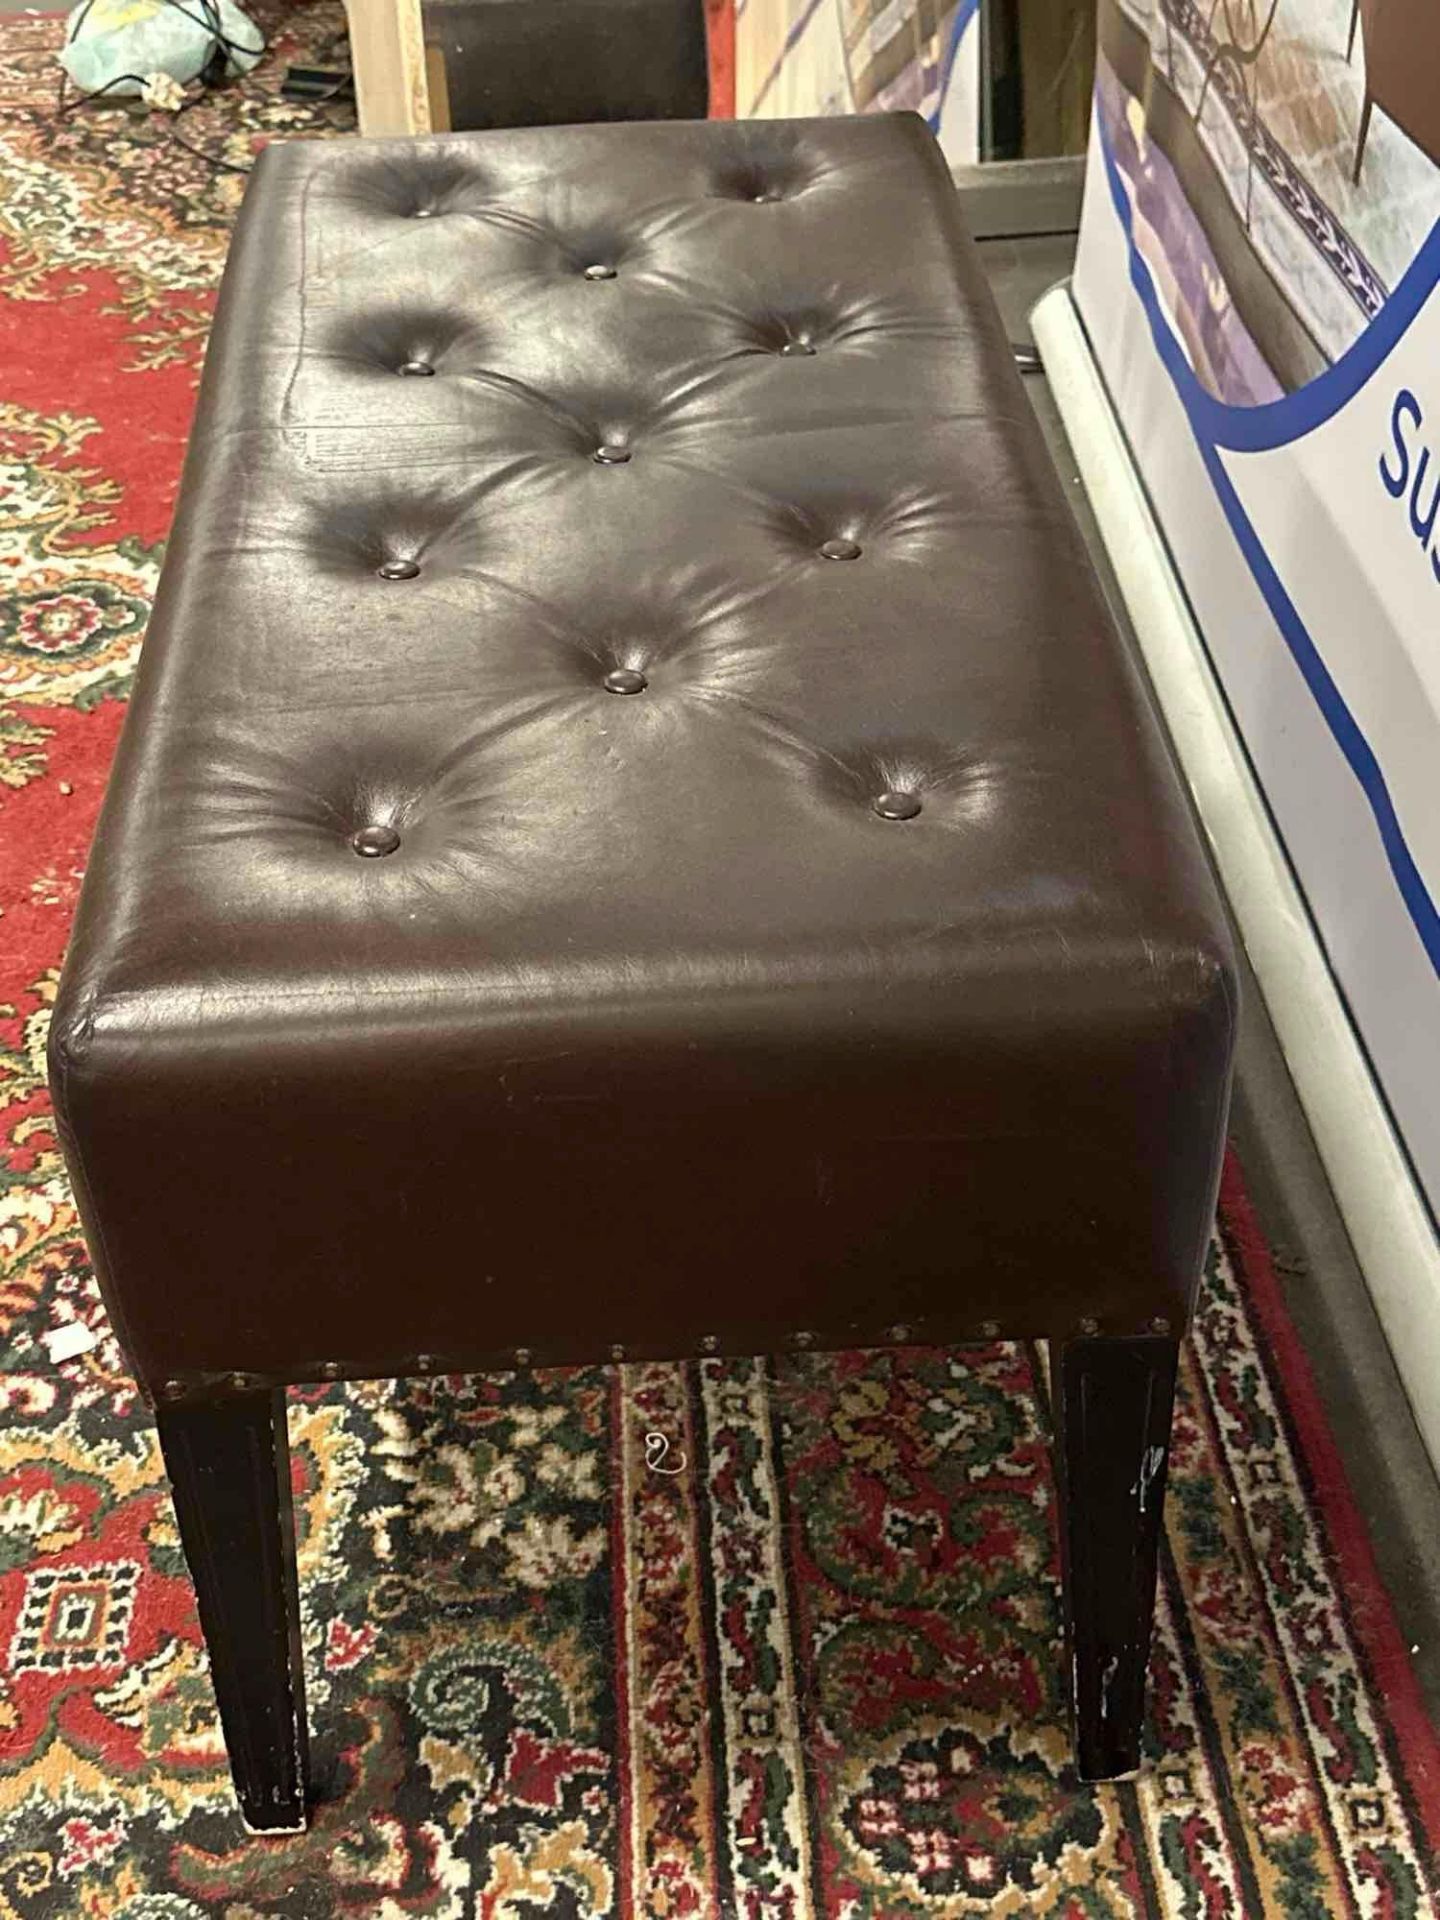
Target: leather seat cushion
650,1026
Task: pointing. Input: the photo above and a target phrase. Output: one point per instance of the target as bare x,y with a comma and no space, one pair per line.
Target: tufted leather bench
635,836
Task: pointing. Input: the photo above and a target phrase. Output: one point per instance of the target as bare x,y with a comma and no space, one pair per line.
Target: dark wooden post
1113,1401
229,1464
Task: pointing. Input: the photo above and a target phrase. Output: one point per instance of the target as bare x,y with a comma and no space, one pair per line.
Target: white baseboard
1379,1200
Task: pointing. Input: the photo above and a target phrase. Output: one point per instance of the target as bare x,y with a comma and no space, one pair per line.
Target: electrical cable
209,21
211,24
214,160
64,106
208,78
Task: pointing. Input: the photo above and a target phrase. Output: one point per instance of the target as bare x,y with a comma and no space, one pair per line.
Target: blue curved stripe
1253,429
1214,425
959,21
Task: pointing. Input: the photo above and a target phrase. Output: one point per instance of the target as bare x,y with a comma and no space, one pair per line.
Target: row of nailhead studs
898,1335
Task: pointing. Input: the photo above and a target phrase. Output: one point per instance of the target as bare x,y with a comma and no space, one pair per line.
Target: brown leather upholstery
719,514
527,63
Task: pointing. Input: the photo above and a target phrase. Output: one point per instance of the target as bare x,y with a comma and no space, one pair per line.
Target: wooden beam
439,86
387,55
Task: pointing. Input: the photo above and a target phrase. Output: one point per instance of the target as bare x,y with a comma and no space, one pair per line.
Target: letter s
1405,402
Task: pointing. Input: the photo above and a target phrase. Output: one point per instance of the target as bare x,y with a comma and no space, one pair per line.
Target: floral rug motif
721,1639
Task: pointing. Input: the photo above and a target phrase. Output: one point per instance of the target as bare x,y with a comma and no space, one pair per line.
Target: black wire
344,85
211,159
64,106
210,22
215,160
77,21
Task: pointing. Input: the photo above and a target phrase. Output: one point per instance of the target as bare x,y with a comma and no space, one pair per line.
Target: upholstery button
398,569
416,367
599,272
625,680
896,804
765,198
611,454
373,843
423,213
796,348
841,549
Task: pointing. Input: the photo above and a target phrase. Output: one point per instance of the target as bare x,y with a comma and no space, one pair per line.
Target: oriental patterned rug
722,1639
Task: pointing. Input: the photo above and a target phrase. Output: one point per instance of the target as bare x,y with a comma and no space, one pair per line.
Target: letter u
1426,526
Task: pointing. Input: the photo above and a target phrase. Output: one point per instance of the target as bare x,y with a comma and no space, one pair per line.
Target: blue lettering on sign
1422,519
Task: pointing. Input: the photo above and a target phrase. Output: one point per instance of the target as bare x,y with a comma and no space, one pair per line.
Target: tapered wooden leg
229,1466
1113,1400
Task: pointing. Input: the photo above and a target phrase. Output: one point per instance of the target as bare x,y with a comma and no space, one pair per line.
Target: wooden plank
439,89
387,55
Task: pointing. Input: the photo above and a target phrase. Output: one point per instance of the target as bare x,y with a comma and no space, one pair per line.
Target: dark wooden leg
1354,22
1364,135
1113,1400
229,1466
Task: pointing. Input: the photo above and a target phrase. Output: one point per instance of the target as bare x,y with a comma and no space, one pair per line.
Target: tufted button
599,272
398,569
796,349
841,549
624,680
766,197
423,213
896,804
611,454
373,843
416,368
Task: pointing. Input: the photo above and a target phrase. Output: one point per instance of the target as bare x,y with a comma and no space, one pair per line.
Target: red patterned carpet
795,1658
